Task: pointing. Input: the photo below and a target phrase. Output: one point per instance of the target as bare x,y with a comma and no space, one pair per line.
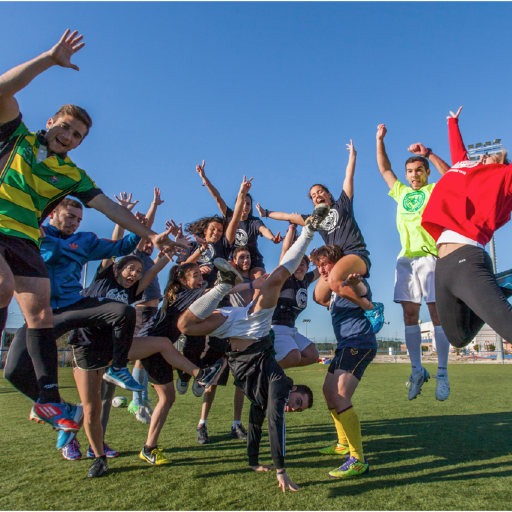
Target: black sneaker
207,375
238,432
99,468
202,435
318,216
227,273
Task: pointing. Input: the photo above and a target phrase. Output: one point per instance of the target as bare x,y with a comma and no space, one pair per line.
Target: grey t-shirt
237,299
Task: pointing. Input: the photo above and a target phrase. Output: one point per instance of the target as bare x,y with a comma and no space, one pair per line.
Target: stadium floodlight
497,141
487,143
478,145
471,146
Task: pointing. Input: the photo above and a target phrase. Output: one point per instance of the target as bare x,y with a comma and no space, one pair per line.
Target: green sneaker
351,467
335,449
133,408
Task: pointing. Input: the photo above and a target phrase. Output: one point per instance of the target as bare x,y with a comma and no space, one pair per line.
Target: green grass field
424,454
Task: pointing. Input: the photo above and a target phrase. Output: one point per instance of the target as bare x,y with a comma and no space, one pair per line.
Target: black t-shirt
247,234
293,300
105,285
340,227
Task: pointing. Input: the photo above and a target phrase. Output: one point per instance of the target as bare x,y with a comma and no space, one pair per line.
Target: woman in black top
249,227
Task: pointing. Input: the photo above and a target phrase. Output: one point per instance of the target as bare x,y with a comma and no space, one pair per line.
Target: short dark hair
332,252
126,260
69,202
305,390
421,159
241,248
76,112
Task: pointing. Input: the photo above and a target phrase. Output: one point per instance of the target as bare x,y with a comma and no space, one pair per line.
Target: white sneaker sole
225,266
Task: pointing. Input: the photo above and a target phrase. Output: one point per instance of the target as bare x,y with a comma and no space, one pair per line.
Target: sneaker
197,389
34,417
99,468
147,406
442,387
238,432
122,378
140,413
415,383
228,274
111,454
351,467
202,435
181,386
207,375
376,316
335,449
64,438
156,457
59,416
72,451
318,216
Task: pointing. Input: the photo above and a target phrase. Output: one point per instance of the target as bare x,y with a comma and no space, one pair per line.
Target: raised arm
237,213
288,240
19,77
294,218
382,158
348,184
152,209
264,231
125,200
420,150
146,279
213,191
457,148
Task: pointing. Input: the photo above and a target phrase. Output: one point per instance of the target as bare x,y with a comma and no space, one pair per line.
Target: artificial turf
423,454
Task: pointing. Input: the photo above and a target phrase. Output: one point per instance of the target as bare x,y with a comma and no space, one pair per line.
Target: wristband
266,213
428,153
201,250
251,286
205,183
282,472
292,226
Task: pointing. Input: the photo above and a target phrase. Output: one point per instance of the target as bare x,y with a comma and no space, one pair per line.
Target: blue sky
273,91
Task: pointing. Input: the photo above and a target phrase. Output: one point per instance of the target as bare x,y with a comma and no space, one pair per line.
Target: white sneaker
148,407
442,387
197,389
416,382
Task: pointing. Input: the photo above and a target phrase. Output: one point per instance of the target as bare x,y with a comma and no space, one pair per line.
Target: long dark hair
199,226
250,211
123,262
174,284
324,187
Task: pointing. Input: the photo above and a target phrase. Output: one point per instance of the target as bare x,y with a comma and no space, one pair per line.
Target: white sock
291,260
443,349
201,423
235,423
413,342
208,303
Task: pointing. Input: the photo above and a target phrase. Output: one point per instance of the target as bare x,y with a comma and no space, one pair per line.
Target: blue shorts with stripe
354,360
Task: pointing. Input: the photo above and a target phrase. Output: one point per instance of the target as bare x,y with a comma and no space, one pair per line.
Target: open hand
257,284
352,280
286,483
68,45
125,200
156,198
261,211
351,148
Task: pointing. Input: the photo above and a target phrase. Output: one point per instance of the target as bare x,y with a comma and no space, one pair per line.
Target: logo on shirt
466,163
241,238
413,201
207,255
54,179
302,298
27,155
118,295
331,221
73,246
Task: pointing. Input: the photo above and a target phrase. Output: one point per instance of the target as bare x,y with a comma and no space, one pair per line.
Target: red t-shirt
471,199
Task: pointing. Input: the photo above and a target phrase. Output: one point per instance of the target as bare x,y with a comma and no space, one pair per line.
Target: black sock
149,449
42,349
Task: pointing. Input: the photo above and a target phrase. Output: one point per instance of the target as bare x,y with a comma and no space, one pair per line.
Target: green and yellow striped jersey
30,190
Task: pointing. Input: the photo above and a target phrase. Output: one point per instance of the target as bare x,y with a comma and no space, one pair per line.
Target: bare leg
6,284
238,404
166,397
290,360
309,355
208,398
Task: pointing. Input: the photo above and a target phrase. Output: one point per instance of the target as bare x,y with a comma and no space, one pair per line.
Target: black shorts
23,257
95,356
352,360
158,369
143,314
216,349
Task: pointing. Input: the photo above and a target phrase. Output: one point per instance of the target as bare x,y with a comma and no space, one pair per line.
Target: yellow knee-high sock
342,437
350,421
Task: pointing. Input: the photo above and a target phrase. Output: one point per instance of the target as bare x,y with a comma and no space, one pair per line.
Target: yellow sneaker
156,457
335,449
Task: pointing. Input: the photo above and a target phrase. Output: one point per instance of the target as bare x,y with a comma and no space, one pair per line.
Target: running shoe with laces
335,449
319,214
64,438
156,457
202,435
111,454
72,451
238,432
140,413
34,417
415,383
207,375
182,386
442,387
351,467
98,468
376,316
122,378
59,416
228,274
197,389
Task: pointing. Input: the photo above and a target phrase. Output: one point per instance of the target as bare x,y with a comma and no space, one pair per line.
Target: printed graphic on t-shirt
331,221
118,295
466,163
302,298
207,255
413,201
241,238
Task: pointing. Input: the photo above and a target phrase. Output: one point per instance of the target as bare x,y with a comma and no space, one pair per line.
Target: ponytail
174,284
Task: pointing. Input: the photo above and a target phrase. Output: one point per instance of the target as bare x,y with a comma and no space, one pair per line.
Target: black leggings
87,312
468,295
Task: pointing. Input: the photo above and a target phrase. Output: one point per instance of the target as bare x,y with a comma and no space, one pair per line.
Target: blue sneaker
72,450
59,416
122,378
376,316
64,438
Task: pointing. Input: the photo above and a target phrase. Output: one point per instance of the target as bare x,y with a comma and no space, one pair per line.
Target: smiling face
319,195
213,232
65,133
297,402
148,247
246,208
66,219
193,279
417,175
243,260
301,270
129,274
324,267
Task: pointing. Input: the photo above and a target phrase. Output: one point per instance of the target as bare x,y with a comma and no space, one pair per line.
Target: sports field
424,454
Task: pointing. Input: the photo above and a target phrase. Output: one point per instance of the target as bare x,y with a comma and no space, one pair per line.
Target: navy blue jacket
65,256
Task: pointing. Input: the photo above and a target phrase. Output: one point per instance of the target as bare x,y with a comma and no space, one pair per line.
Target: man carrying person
35,175
416,263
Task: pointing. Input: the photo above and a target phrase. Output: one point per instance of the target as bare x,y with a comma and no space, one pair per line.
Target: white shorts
415,278
241,324
288,339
